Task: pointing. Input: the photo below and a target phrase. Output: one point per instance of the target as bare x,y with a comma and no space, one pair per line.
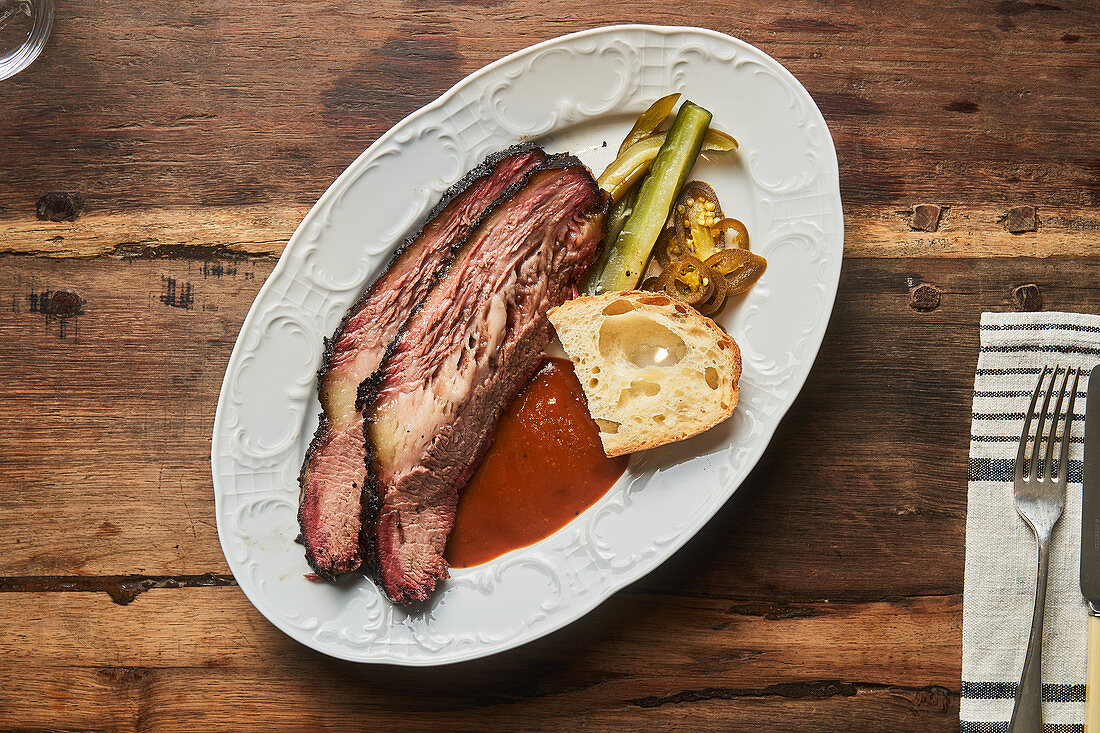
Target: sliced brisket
462,358
331,505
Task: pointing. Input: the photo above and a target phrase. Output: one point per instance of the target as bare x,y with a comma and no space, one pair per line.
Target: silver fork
1040,500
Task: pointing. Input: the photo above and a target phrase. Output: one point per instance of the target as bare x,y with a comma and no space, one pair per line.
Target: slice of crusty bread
653,369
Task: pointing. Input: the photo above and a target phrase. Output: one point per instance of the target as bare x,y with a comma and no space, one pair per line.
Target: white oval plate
573,93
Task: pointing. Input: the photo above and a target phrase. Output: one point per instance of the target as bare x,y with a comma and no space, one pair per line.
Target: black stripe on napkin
1014,370
1016,348
1040,327
1081,394
1017,416
1007,691
1011,439
1001,726
1003,469
984,726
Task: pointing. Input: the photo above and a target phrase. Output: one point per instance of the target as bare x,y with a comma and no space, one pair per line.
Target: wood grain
229,699
727,661
187,141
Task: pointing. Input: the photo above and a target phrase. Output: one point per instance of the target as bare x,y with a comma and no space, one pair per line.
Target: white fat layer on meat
338,400
433,402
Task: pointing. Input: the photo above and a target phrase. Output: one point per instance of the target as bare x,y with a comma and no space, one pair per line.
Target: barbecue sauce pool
545,466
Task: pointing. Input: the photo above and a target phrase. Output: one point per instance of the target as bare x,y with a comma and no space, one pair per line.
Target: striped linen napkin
1001,556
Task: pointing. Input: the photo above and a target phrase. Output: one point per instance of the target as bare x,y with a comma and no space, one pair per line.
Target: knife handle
1092,678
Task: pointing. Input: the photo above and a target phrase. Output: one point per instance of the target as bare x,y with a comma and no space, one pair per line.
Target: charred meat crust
318,436
369,499
370,389
454,191
321,433
370,385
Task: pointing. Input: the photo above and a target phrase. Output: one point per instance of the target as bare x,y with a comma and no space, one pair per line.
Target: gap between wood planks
937,695
124,589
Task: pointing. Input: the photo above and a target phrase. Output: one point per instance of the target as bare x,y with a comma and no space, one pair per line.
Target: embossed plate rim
472,647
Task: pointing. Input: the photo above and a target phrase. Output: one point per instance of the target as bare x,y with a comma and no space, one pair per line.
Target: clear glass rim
22,57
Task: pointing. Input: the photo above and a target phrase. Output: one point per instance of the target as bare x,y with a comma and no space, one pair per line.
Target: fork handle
1092,678
1027,712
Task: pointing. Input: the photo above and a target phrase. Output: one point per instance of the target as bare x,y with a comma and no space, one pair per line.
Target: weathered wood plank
104,443
262,230
229,700
139,105
196,233
168,651
742,640
108,413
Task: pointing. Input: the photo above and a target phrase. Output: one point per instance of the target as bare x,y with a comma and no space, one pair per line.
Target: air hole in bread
712,377
593,382
638,388
618,308
639,340
658,418
607,426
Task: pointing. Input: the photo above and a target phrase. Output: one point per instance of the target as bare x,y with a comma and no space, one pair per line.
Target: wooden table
157,157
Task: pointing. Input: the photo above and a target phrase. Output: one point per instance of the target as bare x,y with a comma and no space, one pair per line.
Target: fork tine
1042,421
1048,462
1063,452
1027,425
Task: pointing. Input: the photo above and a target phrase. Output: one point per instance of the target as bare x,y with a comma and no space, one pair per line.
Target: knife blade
1090,497
1090,549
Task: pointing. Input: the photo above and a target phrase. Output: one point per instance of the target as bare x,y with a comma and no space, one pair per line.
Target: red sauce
545,466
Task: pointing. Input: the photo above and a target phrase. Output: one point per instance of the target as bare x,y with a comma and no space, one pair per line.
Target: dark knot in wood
1020,219
124,675
59,206
926,218
935,697
65,303
924,297
963,105
1027,297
